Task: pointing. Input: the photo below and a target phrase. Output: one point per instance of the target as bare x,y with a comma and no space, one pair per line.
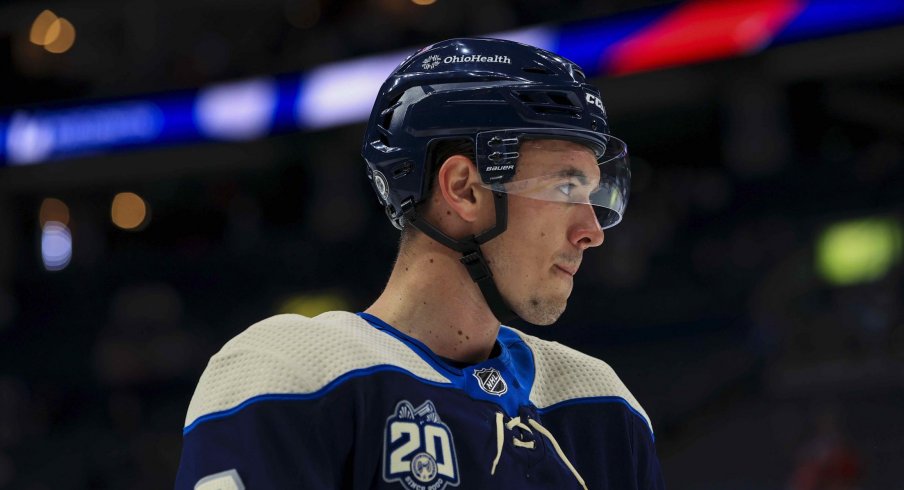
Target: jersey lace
502,426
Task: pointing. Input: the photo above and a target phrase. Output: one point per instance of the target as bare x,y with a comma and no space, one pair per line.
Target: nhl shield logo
490,381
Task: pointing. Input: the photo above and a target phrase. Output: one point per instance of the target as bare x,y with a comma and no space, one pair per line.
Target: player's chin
542,311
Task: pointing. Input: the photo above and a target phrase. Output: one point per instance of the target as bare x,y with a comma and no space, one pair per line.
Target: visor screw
593,125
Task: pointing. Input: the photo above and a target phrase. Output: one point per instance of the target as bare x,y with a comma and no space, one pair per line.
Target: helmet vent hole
386,120
401,170
386,114
560,99
559,110
393,101
532,97
578,74
383,135
537,69
551,103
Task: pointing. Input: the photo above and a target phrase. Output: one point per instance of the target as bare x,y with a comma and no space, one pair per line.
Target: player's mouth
570,270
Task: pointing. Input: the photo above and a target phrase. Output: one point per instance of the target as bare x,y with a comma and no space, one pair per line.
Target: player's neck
430,297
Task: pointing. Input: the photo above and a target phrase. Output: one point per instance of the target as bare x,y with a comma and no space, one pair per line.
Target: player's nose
586,231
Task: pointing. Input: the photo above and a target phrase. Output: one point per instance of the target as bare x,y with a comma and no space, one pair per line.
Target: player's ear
459,182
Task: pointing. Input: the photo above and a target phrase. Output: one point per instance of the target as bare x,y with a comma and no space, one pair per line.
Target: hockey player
495,160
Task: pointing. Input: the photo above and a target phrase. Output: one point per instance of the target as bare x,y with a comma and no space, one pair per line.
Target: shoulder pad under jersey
293,354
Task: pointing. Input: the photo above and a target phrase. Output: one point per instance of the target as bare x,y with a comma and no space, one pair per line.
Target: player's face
535,260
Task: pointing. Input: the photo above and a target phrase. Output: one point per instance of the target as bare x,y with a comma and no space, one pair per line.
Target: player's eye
566,188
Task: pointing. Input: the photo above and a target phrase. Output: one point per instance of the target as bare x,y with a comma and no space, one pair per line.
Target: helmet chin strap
471,255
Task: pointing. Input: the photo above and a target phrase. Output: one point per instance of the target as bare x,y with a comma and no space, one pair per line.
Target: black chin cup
471,255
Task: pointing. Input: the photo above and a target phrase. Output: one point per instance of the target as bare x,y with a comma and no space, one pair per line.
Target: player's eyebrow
573,172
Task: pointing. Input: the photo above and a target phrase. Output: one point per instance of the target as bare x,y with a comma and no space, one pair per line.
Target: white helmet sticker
382,186
433,61
594,100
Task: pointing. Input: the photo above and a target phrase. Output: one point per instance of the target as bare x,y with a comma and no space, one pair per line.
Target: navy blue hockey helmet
496,94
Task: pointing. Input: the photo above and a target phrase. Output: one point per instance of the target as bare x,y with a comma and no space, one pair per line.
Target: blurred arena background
172,172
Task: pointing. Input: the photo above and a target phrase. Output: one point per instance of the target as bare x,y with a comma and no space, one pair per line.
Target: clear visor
567,166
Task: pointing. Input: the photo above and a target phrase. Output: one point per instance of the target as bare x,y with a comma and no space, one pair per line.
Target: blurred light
859,251
344,92
543,37
34,136
303,14
423,2
341,93
821,18
53,210
64,40
56,246
40,29
56,34
703,30
129,211
311,305
238,110
53,32
29,139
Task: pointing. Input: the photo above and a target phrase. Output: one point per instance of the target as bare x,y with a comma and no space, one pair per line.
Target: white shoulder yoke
566,375
293,354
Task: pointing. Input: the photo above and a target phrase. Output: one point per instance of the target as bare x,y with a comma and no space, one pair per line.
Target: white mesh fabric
295,354
563,374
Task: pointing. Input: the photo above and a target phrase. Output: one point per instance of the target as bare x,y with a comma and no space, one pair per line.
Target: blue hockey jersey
345,401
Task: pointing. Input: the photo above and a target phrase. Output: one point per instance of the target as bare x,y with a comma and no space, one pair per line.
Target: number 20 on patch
419,451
